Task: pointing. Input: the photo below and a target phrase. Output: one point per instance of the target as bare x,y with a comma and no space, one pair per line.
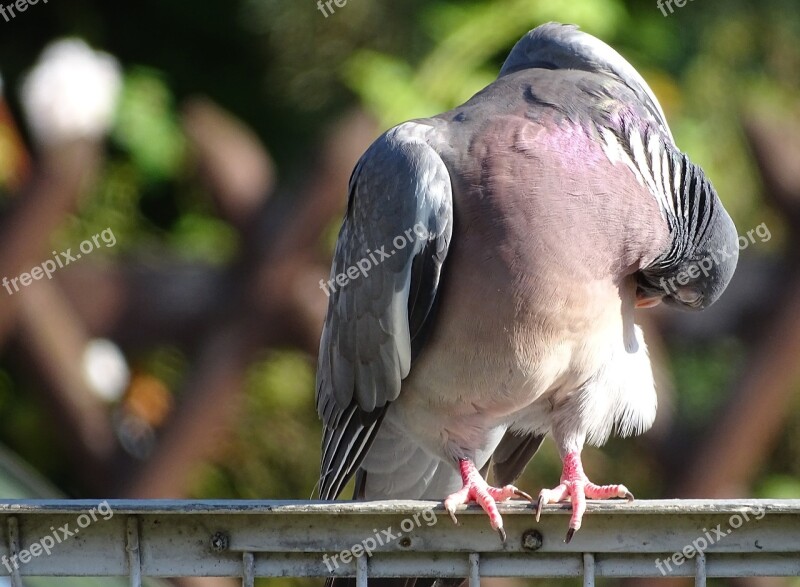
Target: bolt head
220,541
532,540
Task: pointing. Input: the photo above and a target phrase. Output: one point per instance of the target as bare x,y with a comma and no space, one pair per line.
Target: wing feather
399,214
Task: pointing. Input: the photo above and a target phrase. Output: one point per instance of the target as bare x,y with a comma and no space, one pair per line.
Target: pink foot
476,489
577,486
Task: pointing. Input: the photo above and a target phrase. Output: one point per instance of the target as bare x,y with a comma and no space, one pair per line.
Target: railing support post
361,571
248,570
13,550
134,555
700,570
588,570
474,570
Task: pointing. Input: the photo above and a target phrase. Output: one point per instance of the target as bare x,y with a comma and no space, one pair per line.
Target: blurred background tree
223,178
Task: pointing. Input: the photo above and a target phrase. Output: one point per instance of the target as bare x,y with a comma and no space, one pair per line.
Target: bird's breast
536,293
505,348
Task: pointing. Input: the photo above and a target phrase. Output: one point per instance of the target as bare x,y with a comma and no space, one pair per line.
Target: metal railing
723,538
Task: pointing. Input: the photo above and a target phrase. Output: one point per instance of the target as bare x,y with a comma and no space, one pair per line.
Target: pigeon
485,280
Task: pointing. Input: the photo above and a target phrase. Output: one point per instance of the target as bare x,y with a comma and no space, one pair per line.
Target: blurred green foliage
466,40
273,450
703,376
147,127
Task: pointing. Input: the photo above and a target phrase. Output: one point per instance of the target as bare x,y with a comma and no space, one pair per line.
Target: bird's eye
689,296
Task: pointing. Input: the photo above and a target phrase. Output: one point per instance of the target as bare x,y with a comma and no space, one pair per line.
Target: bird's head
702,250
702,255
564,46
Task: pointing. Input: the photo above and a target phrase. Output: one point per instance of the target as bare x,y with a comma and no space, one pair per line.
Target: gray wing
391,248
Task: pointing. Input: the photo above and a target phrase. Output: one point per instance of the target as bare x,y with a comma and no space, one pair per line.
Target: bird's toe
607,491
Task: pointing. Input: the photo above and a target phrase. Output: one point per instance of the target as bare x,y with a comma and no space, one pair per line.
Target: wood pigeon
485,278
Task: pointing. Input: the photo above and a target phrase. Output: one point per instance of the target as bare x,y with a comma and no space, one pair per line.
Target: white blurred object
71,93
106,369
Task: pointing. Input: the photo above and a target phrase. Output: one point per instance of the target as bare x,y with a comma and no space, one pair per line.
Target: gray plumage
551,201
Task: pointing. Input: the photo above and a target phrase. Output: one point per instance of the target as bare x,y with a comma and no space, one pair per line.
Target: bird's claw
502,534
575,488
522,494
475,489
570,534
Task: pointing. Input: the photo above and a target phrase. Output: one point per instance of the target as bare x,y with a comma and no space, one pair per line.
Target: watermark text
700,544
10,11
373,258
664,5
47,543
705,264
322,5
379,538
59,261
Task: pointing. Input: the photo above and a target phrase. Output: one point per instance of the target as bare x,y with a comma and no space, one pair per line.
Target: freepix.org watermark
374,258
710,537
663,5
46,544
705,264
379,538
59,261
15,8
322,5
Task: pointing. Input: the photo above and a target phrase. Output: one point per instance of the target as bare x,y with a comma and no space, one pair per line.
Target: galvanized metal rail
730,538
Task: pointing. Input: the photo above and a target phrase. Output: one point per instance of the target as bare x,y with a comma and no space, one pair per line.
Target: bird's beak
648,302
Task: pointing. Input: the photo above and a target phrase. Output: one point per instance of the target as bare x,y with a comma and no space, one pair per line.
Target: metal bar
700,570
134,554
474,570
588,570
666,507
400,539
361,571
456,565
248,570
13,551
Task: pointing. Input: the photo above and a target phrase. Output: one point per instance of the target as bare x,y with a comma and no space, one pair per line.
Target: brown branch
231,160
55,340
40,209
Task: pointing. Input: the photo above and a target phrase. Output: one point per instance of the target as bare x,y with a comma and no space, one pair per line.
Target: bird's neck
688,218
